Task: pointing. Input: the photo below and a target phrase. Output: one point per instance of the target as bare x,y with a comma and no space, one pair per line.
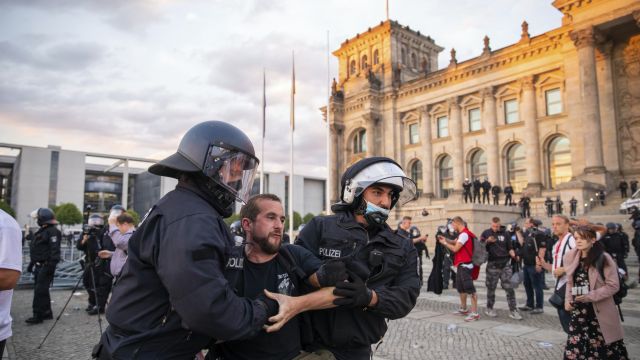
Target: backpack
622,290
480,255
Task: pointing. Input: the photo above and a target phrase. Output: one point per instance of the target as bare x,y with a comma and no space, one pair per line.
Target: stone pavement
428,332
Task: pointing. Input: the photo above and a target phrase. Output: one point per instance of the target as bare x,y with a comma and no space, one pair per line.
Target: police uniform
392,264
45,255
508,192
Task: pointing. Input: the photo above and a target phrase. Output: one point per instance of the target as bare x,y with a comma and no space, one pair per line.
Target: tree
135,216
4,206
231,219
297,220
68,214
307,218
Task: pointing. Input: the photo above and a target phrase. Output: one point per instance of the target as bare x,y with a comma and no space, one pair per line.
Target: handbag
517,277
557,298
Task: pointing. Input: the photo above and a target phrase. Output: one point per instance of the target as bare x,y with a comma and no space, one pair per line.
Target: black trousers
476,196
103,283
485,196
467,196
507,199
2,344
496,199
43,276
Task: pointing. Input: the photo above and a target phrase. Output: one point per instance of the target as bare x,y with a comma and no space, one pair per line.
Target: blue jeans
533,282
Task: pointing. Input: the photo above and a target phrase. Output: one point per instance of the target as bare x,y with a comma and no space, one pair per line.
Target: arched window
376,57
360,142
559,161
478,165
403,56
414,61
352,68
516,167
416,173
425,65
445,175
363,62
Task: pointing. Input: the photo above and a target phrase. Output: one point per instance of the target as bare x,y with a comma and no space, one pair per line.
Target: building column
491,135
427,152
584,41
532,142
609,129
370,126
334,170
455,125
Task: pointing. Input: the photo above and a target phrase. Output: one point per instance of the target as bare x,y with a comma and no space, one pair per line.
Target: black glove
30,267
271,306
354,294
331,272
358,269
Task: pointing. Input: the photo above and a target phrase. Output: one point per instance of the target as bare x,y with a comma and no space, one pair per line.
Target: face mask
375,215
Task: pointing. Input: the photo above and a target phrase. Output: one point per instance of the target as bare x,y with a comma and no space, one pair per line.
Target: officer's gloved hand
331,272
30,267
353,294
270,305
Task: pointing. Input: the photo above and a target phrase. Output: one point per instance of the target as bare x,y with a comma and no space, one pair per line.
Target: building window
479,165
445,175
352,67
376,57
414,61
360,142
425,65
559,161
403,56
474,120
414,137
416,173
443,126
554,101
516,167
363,63
511,114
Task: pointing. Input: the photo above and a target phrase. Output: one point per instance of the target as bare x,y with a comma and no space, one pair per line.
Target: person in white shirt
10,269
566,242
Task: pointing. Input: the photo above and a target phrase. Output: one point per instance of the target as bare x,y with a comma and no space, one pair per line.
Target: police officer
45,255
559,204
477,185
466,189
525,205
573,203
549,205
486,189
614,243
95,278
172,299
495,191
623,188
384,279
508,193
634,186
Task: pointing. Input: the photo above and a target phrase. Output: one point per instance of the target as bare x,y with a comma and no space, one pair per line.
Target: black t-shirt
498,250
249,279
529,252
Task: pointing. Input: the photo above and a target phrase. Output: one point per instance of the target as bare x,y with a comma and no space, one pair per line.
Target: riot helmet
366,172
222,154
116,210
95,220
414,231
236,228
44,216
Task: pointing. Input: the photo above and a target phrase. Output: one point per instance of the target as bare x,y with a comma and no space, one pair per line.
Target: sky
130,77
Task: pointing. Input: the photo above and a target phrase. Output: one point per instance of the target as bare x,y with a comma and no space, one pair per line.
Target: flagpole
327,199
264,124
292,126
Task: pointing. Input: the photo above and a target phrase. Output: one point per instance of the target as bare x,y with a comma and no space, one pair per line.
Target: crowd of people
183,284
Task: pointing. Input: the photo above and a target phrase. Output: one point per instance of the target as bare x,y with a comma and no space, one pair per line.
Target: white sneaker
472,317
515,315
490,313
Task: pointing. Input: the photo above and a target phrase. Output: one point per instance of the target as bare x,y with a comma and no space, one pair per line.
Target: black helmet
611,226
220,151
414,231
44,216
236,228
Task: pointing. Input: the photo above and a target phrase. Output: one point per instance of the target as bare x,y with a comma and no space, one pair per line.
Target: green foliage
231,219
135,216
4,206
68,214
307,218
297,220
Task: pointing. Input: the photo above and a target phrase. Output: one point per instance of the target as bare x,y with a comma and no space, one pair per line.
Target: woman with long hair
595,330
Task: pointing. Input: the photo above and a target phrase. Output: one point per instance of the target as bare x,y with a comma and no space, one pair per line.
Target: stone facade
505,114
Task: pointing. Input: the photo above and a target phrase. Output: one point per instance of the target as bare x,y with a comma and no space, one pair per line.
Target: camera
94,224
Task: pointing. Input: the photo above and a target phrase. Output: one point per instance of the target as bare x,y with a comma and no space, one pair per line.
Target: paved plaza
429,332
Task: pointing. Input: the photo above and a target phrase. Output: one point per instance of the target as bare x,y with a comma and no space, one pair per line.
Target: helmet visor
389,174
231,169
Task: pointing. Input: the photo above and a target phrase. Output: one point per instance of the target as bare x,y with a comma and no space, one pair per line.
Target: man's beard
265,246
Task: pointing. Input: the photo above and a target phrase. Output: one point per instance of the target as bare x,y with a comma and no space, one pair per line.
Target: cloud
65,56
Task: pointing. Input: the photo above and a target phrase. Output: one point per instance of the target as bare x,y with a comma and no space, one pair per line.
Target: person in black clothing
266,263
573,203
95,278
495,191
614,243
383,265
486,189
602,196
548,203
477,185
412,233
559,204
45,255
634,186
172,299
525,206
534,246
623,188
501,252
508,193
466,189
